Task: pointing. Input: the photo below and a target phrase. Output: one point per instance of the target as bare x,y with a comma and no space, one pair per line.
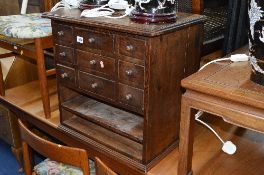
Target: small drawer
96,64
64,55
131,74
62,34
132,97
132,47
66,75
97,85
86,39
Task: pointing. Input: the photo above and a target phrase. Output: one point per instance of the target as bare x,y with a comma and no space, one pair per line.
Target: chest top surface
125,24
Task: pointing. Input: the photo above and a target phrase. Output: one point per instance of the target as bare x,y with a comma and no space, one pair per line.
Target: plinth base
153,18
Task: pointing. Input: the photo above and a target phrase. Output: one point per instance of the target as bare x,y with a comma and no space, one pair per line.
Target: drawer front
62,34
132,47
85,39
131,96
131,74
97,85
64,55
94,63
66,75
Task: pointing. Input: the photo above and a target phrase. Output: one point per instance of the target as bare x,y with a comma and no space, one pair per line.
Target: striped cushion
25,26
49,167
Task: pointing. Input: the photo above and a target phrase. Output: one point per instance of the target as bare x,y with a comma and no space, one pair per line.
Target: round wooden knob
60,33
94,85
62,54
92,62
128,97
129,48
64,75
91,40
129,72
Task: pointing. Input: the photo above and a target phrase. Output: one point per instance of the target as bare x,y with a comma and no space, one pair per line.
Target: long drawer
97,85
96,64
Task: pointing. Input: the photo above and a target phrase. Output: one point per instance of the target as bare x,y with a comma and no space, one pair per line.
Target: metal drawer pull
94,85
129,48
129,72
64,75
62,54
128,97
60,33
91,40
92,62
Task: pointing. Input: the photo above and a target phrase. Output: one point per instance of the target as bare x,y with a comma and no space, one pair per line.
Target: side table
223,89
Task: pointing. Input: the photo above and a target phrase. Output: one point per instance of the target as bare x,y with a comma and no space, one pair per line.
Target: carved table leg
186,138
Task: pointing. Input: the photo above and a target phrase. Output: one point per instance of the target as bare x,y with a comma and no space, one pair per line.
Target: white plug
129,9
239,57
229,147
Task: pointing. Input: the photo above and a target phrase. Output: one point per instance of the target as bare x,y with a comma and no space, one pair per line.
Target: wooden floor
208,158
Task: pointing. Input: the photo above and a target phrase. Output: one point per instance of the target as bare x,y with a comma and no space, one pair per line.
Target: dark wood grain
66,75
132,47
131,96
96,64
107,116
64,55
131,74
104,136
63,34
141,78
125,24
97,85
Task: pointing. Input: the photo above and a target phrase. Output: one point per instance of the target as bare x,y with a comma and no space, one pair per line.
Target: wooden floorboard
27,97
208,158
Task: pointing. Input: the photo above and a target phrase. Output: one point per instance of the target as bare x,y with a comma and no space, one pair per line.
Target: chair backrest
102,169
67,155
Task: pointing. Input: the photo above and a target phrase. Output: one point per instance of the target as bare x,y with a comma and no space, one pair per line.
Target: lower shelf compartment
117,120
104,136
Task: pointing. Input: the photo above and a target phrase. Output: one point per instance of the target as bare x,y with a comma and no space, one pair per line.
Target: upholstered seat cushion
49,167
25,26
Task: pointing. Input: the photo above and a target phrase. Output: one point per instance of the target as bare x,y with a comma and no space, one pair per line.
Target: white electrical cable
233,58
104,11
197,115
228,146
68,4
214,61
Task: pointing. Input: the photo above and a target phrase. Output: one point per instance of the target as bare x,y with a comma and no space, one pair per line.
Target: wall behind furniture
9,7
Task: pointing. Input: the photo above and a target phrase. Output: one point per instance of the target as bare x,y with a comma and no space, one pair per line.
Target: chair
61,159
29,35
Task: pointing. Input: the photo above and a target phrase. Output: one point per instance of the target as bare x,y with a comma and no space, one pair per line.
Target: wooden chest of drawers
119,83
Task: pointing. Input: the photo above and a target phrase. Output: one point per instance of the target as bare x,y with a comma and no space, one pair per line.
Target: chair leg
2,82
42,77
27,156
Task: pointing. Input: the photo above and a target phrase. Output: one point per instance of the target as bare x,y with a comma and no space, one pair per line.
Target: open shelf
103,136
114,119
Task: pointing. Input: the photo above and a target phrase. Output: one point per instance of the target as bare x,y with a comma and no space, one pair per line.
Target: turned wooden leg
18,153
27,157
2,82
42,77
186,138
